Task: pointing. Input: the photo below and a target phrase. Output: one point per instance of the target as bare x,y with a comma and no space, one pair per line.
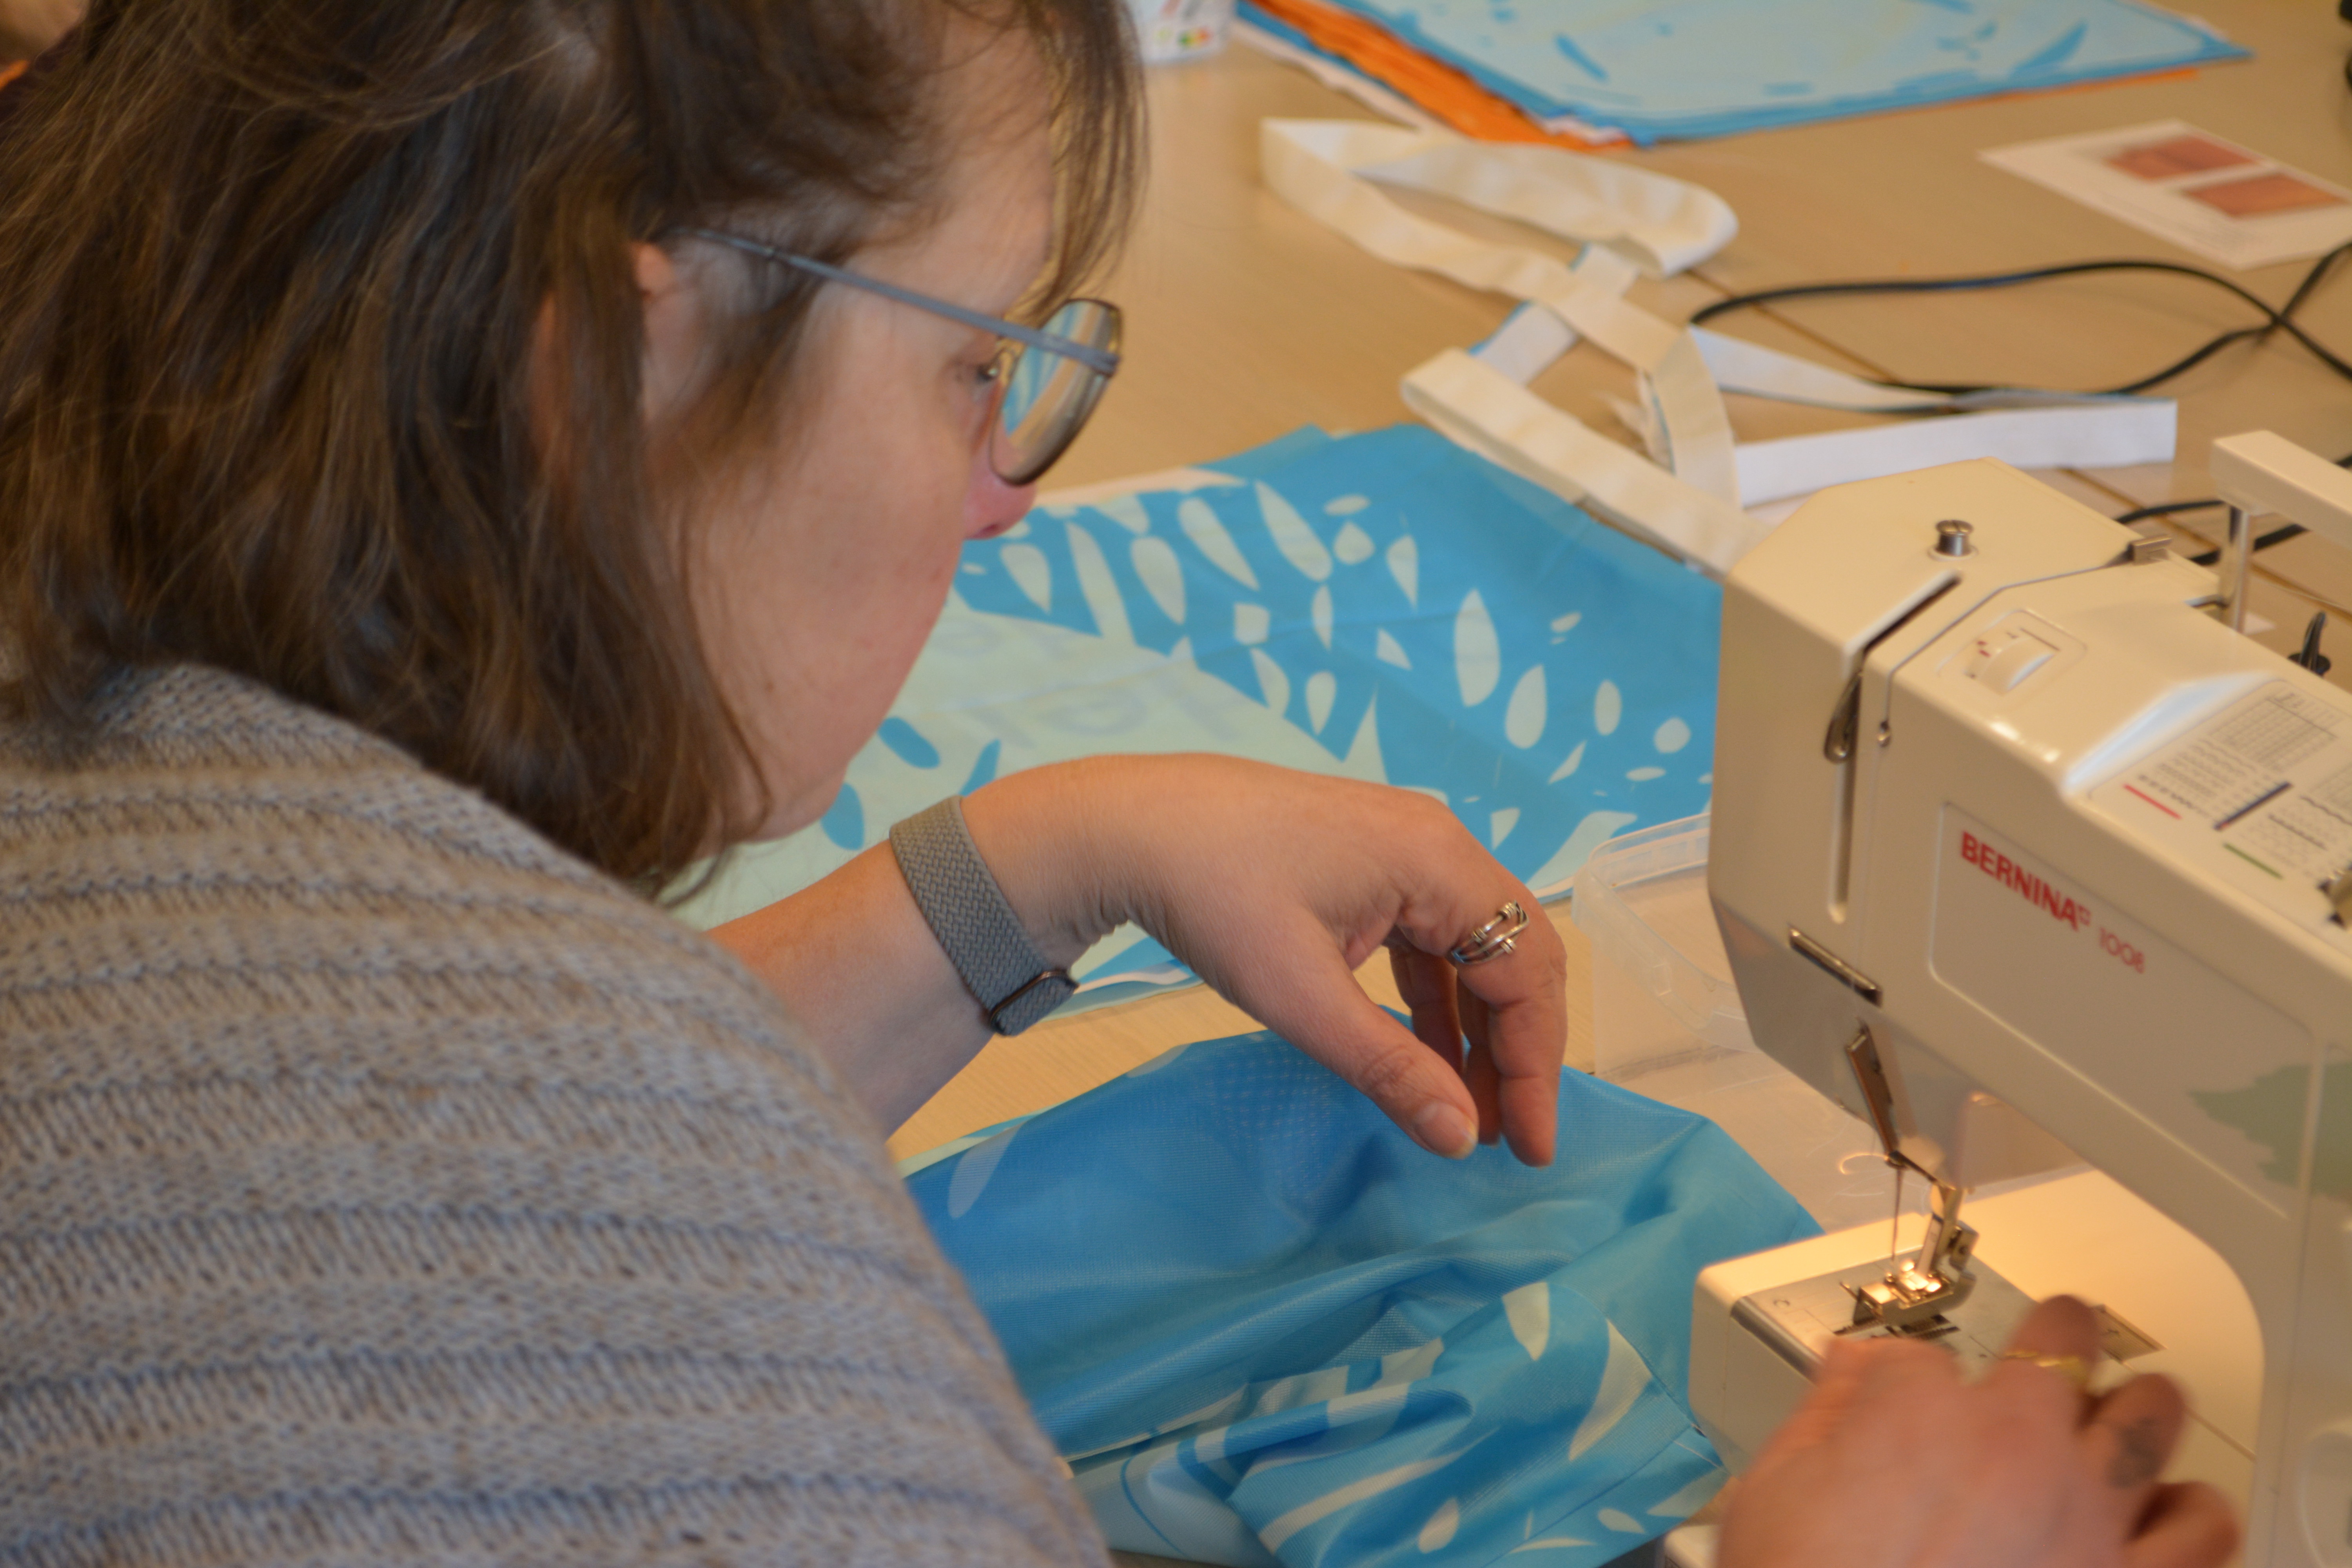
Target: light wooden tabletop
1247,320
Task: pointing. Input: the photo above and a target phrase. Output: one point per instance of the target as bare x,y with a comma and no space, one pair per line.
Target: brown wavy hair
270,276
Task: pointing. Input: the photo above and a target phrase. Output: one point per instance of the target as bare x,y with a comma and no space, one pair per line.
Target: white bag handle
1687,501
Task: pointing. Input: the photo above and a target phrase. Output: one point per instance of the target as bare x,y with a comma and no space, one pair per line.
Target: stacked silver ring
1492,939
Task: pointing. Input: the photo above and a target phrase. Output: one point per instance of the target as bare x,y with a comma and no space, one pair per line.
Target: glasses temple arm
1102,362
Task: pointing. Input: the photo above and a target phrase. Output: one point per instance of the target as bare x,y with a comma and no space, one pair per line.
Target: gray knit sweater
379,1184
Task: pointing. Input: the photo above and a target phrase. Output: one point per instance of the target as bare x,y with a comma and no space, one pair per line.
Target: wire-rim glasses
1047,379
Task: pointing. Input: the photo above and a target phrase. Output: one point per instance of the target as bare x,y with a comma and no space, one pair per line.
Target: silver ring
1492,940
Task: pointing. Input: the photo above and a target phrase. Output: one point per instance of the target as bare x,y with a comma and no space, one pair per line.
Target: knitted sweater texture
380,1185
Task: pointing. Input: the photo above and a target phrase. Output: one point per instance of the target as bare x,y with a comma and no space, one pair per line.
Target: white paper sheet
2201,191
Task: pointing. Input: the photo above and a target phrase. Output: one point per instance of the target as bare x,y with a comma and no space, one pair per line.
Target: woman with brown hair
463,462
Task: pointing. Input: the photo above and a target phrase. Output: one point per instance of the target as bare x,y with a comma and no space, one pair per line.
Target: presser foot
1906,1301
1800,1320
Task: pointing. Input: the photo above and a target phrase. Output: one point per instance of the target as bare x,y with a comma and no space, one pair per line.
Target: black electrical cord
2279,319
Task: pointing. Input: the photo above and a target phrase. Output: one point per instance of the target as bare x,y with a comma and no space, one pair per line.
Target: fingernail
1443,1131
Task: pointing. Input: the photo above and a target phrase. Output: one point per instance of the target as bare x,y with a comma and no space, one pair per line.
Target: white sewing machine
2009,815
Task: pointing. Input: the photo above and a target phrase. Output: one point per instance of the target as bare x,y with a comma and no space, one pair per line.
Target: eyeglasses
1047,380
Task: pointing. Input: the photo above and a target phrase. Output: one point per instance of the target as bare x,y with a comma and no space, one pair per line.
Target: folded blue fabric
1682,68
1264,1327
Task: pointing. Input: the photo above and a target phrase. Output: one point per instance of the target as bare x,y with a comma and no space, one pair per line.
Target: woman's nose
990,505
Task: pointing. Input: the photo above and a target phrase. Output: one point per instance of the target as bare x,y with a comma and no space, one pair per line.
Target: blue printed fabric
1264,1327
1384,606
1661,70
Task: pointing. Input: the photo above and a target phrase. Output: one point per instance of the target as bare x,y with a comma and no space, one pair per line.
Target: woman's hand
1895,1459
1275,886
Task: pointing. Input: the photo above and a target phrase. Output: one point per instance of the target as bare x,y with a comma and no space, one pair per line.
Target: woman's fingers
2058,1328
2188,1525
2053,1350
2129,1439
1515,1007
1478,1070
1321,1009
1425,984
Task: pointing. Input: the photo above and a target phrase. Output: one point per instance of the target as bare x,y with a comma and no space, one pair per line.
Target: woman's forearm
1272,885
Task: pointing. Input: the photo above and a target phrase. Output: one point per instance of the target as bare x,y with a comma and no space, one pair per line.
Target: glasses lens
1047,397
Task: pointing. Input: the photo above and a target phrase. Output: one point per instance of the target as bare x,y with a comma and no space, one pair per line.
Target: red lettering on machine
2026,884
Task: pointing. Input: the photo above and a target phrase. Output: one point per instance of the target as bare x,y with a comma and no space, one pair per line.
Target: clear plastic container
1168,31
1667,1023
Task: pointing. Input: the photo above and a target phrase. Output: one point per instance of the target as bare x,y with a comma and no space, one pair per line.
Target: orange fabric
1451,95
11,70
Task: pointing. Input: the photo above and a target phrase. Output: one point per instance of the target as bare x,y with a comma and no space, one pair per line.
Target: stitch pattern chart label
2259,796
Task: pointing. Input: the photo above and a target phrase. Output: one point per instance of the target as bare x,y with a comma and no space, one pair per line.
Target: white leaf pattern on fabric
1499,825
1549,1543
1523,720
1412,1365
1619,1520
1209,537
1529,1310
1322,688
1031,572
1597,828
1324,1507
1477,655
1080,633
1672,737
1643,775
1306,1388
1438,1533
1271,680
972,1172
1568,766
1161,574
1622,1382
1098,587
1567,622
1125,511
1298,542
1363,759
1404,566
1689,1499
1608,708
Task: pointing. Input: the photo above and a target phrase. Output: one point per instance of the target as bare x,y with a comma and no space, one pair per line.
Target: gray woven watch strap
974,921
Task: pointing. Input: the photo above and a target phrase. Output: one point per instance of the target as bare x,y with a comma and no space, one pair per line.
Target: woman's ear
673,313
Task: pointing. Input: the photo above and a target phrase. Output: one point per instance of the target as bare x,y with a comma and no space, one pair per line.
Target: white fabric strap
1325,169
1478,407
1663,224
1685,496
2109,436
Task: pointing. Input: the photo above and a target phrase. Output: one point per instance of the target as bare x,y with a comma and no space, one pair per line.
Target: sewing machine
2024,853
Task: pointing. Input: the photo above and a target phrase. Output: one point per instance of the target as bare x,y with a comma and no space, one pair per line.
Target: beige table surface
1247,320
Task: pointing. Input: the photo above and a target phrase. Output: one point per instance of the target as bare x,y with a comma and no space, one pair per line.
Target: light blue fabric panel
1265,1326
1384,606
1660,69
